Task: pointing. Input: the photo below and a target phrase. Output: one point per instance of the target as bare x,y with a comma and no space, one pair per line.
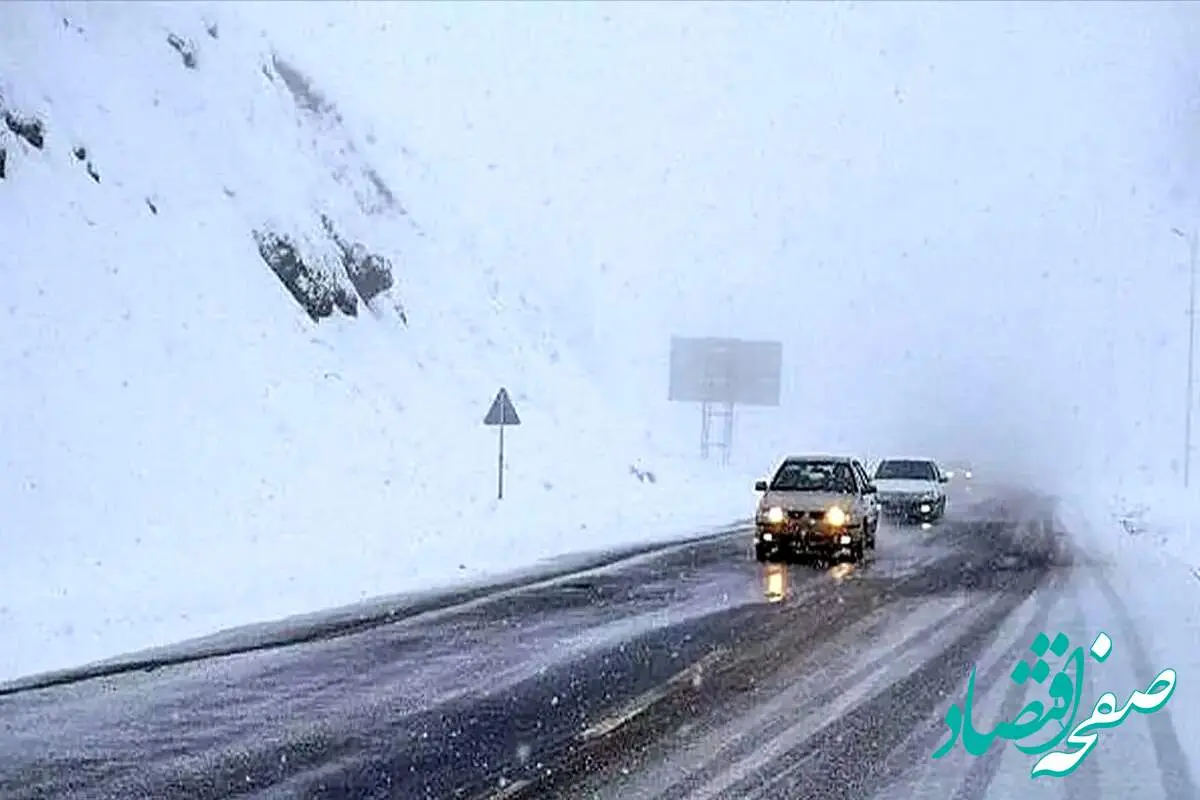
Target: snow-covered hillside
246,357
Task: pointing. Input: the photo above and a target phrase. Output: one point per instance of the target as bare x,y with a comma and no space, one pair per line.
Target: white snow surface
1153,517
181,448
1142,539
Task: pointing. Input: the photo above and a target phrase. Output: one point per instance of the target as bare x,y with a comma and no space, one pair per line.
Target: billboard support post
721,374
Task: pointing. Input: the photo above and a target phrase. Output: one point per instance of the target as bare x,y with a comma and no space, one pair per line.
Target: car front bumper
908,509
819,540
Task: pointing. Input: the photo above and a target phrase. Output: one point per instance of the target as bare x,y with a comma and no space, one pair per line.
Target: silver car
822,506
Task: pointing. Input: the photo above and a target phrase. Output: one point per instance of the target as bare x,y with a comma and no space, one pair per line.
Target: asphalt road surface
691,673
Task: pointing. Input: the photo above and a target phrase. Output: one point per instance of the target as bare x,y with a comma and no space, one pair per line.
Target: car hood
804,501
904,486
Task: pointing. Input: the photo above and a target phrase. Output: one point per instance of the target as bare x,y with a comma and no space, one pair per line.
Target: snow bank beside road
1137,547
1144,541
1152,519
81,619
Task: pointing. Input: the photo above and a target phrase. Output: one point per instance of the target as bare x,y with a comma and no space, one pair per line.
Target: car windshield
907,471
814,476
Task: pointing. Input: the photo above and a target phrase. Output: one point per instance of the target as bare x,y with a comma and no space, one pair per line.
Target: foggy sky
956,216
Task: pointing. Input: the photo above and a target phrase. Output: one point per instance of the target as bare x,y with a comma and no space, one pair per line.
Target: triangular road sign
502,411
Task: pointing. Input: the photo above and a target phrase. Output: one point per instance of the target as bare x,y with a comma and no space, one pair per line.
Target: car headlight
967,474
928,497
774,515
836,517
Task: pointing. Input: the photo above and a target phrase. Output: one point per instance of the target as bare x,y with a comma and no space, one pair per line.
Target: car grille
811,517
903,502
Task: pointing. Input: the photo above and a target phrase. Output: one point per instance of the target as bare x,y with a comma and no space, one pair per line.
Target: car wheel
761,553
870,534
857,553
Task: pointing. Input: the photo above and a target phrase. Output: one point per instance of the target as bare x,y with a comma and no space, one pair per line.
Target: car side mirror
870,488
944,479
760,486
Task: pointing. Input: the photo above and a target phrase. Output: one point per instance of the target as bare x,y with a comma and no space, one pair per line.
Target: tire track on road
917,750
983,770
1174,769
1084,783
978,780
818,765
764,725
761,654
851,759
818,760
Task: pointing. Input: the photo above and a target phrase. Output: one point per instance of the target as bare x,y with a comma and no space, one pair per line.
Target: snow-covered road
689,673
851,702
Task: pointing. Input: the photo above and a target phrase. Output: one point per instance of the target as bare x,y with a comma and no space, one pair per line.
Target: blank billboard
732,371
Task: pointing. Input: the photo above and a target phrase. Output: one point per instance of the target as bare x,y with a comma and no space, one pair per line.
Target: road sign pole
500,468
501,415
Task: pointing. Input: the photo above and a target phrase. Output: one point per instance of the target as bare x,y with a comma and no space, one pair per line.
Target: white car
911,489
959,471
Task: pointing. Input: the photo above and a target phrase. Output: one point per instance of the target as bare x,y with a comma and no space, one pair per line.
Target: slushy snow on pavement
182,447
